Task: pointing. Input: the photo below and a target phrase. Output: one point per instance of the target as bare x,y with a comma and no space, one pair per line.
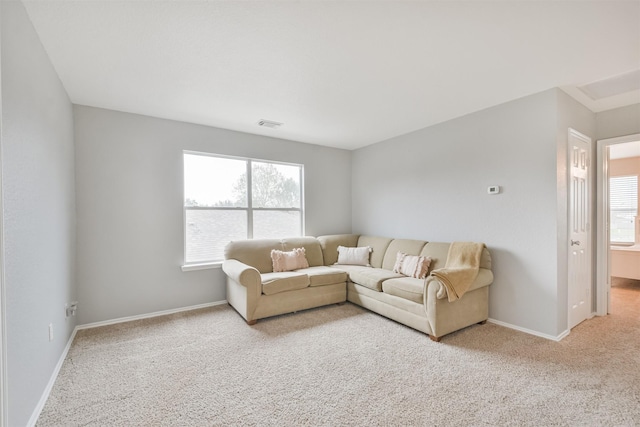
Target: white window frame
199,265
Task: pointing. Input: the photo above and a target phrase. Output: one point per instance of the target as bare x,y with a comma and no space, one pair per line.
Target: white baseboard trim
45,395
562,335
529,331
56,371
149,315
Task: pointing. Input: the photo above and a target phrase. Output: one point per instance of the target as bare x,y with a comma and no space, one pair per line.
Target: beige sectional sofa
256,292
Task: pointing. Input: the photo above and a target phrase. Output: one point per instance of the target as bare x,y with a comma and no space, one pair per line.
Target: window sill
621,243
202,266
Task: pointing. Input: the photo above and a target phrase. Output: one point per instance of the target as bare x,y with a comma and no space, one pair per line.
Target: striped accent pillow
412,265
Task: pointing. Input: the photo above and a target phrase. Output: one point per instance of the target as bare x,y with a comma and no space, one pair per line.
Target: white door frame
602,220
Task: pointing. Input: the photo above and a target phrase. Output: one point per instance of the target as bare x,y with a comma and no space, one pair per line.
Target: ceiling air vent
617,85
269,124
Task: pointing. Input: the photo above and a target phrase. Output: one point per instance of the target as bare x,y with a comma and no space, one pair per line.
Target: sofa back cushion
311,245
256,253
409,247
379,247
330,243
485,259
439,251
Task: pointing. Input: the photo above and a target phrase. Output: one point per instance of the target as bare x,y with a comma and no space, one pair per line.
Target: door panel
579,229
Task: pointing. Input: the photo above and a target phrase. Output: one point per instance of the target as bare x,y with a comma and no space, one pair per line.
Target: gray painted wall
618,122
39,211
130,215
432,184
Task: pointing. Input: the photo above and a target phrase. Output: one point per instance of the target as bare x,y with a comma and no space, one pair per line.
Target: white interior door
579,228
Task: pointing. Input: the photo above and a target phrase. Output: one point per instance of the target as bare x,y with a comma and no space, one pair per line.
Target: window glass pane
208,231
212,184
276,224
275,186
623,205
214,181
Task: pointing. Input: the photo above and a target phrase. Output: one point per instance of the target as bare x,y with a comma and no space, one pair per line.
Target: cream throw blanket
461,268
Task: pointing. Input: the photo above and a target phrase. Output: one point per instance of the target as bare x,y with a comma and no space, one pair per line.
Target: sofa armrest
485,278
243,274
437,289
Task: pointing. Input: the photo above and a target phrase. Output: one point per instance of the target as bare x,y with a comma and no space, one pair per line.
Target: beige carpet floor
345,366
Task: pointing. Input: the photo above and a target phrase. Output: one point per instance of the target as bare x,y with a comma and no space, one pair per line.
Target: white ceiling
338,73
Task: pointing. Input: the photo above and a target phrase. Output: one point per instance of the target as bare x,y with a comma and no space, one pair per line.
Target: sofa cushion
321,276
349,268
379,246
437,252
330,243
372,278
273,283
256,253
485,259
311,245
405,287
409,247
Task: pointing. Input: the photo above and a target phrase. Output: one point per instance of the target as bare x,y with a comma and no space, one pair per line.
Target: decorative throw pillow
354,256
412,265
288,261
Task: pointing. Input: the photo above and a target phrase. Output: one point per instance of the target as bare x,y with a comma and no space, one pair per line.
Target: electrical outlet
50,331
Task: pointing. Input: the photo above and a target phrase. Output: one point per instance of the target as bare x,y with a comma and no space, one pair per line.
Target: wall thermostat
494,189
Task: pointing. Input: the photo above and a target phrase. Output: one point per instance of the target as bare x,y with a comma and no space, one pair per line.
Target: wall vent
269,124
612,86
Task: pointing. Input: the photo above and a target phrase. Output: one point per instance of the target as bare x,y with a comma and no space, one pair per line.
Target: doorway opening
618,252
